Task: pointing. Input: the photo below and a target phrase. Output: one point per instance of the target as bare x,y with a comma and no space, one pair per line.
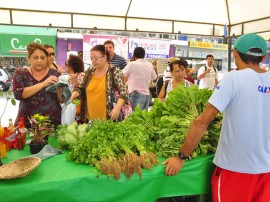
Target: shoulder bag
126,109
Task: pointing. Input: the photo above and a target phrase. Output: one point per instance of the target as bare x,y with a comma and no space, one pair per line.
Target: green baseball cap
247,42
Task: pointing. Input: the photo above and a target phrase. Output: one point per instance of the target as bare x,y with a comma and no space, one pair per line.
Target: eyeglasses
96,58
51,54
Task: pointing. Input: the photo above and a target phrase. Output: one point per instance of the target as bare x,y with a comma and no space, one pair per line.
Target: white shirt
208,81
170,87
244,143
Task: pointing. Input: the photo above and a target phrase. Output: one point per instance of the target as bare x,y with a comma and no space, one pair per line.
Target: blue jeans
138,98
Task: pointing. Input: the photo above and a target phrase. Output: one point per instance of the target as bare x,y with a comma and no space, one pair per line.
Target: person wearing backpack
208,74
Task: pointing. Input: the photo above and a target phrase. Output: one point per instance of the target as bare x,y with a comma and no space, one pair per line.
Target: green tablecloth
57,180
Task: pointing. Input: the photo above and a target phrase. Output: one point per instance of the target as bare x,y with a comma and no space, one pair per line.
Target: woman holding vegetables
178,70
96,88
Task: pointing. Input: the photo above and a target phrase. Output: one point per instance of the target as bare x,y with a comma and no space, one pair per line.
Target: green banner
15,45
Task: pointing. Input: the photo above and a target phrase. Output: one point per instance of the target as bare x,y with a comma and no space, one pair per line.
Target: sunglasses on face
51,54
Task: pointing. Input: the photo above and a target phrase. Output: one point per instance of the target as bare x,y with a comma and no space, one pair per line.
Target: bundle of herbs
115,148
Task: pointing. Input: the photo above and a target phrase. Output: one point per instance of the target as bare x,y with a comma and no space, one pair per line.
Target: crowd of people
242,158
93,87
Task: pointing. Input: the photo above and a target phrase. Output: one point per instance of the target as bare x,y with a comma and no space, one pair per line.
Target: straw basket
19,168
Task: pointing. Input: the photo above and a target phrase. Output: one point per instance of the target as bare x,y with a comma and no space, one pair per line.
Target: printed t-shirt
244,143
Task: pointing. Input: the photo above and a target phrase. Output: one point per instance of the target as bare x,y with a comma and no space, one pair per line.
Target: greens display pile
71,134
135,143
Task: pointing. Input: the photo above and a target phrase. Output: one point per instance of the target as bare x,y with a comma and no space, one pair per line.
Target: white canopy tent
194,17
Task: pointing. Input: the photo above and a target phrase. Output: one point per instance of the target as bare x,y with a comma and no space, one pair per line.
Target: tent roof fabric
206,17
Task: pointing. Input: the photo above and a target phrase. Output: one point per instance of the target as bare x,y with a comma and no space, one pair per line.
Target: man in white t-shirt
139,73
243,153
208,74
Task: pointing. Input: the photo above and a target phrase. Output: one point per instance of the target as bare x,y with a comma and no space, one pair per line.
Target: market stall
125,152
57,179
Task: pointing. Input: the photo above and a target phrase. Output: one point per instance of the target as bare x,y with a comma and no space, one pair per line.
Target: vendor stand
57,179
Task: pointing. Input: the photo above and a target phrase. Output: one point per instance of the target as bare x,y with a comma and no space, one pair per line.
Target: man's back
244,97
139,73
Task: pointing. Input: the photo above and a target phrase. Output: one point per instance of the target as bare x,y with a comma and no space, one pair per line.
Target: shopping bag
68,113
126,109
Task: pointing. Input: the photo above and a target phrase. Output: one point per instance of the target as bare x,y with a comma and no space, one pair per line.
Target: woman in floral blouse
29,86
96,88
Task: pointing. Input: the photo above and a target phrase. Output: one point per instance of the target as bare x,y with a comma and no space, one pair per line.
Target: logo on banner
147,46
15,44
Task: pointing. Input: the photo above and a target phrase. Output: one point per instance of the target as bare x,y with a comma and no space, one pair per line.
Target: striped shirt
118,61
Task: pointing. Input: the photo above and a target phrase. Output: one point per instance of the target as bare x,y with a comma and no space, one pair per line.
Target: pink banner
90,40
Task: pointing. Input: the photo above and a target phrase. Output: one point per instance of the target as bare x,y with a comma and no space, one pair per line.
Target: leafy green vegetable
71,134
133,144
76,101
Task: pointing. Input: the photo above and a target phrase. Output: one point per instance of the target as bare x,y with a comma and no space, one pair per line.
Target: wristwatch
182,156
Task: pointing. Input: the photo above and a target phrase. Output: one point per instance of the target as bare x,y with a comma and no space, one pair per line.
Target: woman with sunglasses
96,88
51,58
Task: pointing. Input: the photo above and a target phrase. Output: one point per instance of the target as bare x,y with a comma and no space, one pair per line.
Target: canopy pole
229,42
229,52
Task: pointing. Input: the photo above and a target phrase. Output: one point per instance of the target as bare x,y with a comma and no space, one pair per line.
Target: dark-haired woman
178,71
75,70
51,58
29,86
96,88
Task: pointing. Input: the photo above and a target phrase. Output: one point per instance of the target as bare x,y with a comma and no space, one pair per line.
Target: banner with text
15,45
90,40
154,48
196,44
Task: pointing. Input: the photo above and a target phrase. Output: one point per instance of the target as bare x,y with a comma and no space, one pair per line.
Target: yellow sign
196,44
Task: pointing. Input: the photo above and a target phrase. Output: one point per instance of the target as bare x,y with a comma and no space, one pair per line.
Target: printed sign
90,40
154,48
16,45
196,44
